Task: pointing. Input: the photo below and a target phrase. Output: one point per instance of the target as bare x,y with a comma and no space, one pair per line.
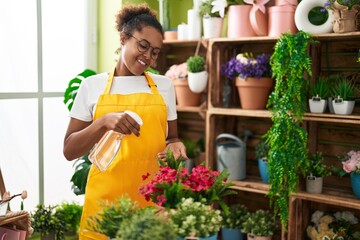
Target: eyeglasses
143,46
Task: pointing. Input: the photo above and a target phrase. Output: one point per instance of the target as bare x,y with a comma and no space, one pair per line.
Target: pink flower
353,162
24,194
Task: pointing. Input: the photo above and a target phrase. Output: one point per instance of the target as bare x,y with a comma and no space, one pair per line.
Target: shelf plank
251,185
343,201
317,117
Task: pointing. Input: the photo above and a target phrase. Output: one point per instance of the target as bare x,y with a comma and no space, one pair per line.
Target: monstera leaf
83,164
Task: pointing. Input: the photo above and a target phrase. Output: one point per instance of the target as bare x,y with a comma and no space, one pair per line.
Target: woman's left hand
177,148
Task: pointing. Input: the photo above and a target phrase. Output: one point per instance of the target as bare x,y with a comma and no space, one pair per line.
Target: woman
99,107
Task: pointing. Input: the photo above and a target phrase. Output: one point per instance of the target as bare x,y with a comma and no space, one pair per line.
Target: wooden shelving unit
329,133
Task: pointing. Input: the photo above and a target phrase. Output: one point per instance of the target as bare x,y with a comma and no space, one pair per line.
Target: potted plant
345,15
351,165
262,151
192,151
178,73
195,219
212,13
146,224
108,221
232,221
319,92
172,183
197,75
48,222
332,81
259,225
253,78
314,171
70,213
287,103
343,91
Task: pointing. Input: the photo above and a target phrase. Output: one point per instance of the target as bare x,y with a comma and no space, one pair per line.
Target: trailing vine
287,104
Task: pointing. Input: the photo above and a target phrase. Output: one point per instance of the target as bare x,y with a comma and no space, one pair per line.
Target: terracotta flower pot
254,92
184,96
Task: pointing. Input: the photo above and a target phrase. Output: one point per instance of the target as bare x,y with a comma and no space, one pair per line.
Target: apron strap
151,83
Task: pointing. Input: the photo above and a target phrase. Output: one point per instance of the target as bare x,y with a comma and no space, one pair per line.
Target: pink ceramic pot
239,22
286,2
281,20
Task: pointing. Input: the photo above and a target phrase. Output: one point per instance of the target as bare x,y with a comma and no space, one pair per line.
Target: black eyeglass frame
144,48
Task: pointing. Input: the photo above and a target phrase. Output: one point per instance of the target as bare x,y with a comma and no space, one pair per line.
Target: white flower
315,218
347,216
219,6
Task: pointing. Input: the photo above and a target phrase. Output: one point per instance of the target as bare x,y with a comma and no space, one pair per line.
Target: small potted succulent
197,75
195,219
262,151
314,171
232,221
259,225
319,92
343,90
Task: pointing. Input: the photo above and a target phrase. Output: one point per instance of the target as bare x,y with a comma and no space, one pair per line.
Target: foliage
344,89
108,221
235,217
315,166
73,86
173,182
246,65
83,164
195,64
259,223
329,4
146,225
262,149
46,220
320,88
192,148
212,8
79,178
287,103
333,226
195,219
71,214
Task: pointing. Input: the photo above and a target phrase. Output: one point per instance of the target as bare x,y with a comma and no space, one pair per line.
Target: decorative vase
314,184
184,96
263,169
239,21
317,105
212,27
231,234
198,81
254,92
355,183
343,107
281,20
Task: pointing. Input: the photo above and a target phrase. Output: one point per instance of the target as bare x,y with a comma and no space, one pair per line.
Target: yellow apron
137,155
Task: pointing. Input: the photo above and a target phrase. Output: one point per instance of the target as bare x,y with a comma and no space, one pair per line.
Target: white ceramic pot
198,81
212,27
343,107
314,184
317,105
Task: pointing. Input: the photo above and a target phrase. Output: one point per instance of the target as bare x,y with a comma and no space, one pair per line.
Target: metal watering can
231,155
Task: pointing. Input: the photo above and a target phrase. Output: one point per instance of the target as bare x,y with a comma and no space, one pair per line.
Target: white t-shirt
92,87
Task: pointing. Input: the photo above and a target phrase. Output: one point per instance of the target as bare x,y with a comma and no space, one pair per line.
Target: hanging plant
287,104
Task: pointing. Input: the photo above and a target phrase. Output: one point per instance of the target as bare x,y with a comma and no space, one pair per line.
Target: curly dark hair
132,17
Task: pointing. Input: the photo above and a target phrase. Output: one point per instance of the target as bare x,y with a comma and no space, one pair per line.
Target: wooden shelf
251,185
190,109
317,117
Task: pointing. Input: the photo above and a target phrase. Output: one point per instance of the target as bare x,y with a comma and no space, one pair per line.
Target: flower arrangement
173,182
351,162
235,217
333,226
213,8
246,65
195,219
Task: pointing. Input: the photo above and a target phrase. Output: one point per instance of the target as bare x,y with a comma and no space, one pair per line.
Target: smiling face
135,59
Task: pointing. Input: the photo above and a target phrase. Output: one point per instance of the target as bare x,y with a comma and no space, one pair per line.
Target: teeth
141,62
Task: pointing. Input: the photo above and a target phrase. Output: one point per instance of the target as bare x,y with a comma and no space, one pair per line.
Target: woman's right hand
121,122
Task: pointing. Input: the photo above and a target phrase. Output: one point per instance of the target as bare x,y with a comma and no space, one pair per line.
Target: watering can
231,155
